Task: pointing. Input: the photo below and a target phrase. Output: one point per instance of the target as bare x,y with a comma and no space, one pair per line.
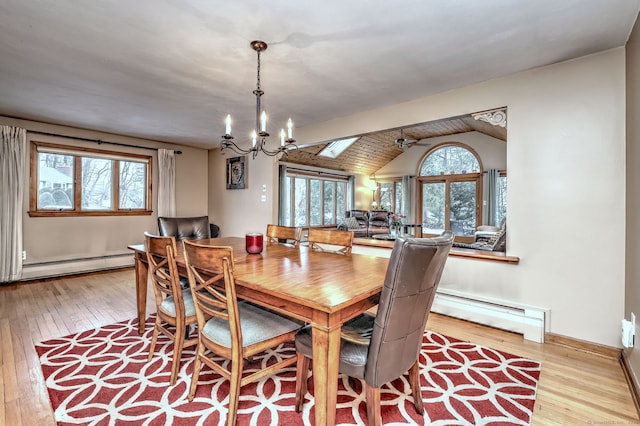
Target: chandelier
259,135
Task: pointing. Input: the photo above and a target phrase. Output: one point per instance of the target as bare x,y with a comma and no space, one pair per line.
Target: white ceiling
170,70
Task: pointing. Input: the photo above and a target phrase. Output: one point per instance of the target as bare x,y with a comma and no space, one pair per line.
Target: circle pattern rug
102,377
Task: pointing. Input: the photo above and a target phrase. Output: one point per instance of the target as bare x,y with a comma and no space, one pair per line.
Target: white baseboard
526,320
75,266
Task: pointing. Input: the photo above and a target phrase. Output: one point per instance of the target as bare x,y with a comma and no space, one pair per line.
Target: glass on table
254,242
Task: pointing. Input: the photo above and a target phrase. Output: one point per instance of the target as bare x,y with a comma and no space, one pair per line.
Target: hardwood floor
575,387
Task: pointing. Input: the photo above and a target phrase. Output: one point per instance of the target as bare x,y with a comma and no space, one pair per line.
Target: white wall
55,239
632,294
566,201
238,211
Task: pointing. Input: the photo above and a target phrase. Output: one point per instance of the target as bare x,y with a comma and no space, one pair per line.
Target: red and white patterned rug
102,377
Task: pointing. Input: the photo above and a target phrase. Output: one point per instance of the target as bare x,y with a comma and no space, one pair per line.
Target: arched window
450,191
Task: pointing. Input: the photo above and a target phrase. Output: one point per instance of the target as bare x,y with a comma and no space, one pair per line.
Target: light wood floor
575,387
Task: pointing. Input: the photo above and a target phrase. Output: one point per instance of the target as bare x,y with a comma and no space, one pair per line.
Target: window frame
447,179
308,176
76,152
394,193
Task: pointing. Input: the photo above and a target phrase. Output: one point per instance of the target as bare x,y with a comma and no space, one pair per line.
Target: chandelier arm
229,144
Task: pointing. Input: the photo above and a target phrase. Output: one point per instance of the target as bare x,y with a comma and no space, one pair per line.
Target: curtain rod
98,141
316,172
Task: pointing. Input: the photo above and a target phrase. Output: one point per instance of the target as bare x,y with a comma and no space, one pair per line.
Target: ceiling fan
406,143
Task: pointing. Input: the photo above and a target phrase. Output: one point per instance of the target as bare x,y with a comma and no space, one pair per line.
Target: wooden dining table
320,288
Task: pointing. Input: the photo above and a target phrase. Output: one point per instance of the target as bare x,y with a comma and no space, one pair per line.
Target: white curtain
407,200
166,183
492,195
13,148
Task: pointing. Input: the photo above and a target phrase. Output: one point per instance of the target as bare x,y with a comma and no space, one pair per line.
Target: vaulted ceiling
170,70
373,150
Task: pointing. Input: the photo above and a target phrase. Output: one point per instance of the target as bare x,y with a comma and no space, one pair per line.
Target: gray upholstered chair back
413,274
184,228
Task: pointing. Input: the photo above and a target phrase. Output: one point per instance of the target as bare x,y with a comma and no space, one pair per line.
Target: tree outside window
311,201
451,187
73,181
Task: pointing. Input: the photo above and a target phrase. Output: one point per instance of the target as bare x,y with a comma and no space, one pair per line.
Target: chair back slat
210,270
284,234
342,241
212,301
163,269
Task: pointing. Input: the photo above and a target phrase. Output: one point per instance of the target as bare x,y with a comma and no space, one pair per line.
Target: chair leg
178,344
154,338
302,370
373,405
197,364
414,381
234,391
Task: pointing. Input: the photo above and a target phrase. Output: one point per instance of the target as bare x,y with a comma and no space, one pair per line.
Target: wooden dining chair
284,234
226,328
381,348
339,241
174,307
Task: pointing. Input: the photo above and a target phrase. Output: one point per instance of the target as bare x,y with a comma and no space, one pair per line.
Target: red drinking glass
254,242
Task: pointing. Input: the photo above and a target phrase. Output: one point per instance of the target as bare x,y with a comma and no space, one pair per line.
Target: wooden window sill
455,251
74,213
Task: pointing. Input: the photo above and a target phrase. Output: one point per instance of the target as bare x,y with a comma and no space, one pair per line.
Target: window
501,198
450,190
72,181
337,147
313,199
390,195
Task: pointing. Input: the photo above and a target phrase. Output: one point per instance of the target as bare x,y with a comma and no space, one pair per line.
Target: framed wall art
236,173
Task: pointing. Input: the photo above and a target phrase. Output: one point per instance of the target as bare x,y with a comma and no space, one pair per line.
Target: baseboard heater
56,268
528,321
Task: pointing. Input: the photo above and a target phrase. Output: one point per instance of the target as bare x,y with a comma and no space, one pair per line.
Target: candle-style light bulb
281,137
263,121
254,138
290,128
227,122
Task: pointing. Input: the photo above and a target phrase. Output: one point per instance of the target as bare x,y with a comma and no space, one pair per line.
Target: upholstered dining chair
284,234
330,240
174,307
185,228
381,348
232,330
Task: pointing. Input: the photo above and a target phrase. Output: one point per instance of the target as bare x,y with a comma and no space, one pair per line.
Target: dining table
322,289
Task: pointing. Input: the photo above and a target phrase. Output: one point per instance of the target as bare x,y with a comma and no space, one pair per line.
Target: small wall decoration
236,173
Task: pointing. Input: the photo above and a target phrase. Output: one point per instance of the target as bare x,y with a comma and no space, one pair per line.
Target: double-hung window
74,181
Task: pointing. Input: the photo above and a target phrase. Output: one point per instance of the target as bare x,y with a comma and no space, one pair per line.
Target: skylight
337,147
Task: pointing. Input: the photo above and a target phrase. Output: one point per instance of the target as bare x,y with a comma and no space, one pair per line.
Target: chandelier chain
258,77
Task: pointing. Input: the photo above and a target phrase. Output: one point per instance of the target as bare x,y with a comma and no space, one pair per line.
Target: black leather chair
380,349
378,222
184,228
